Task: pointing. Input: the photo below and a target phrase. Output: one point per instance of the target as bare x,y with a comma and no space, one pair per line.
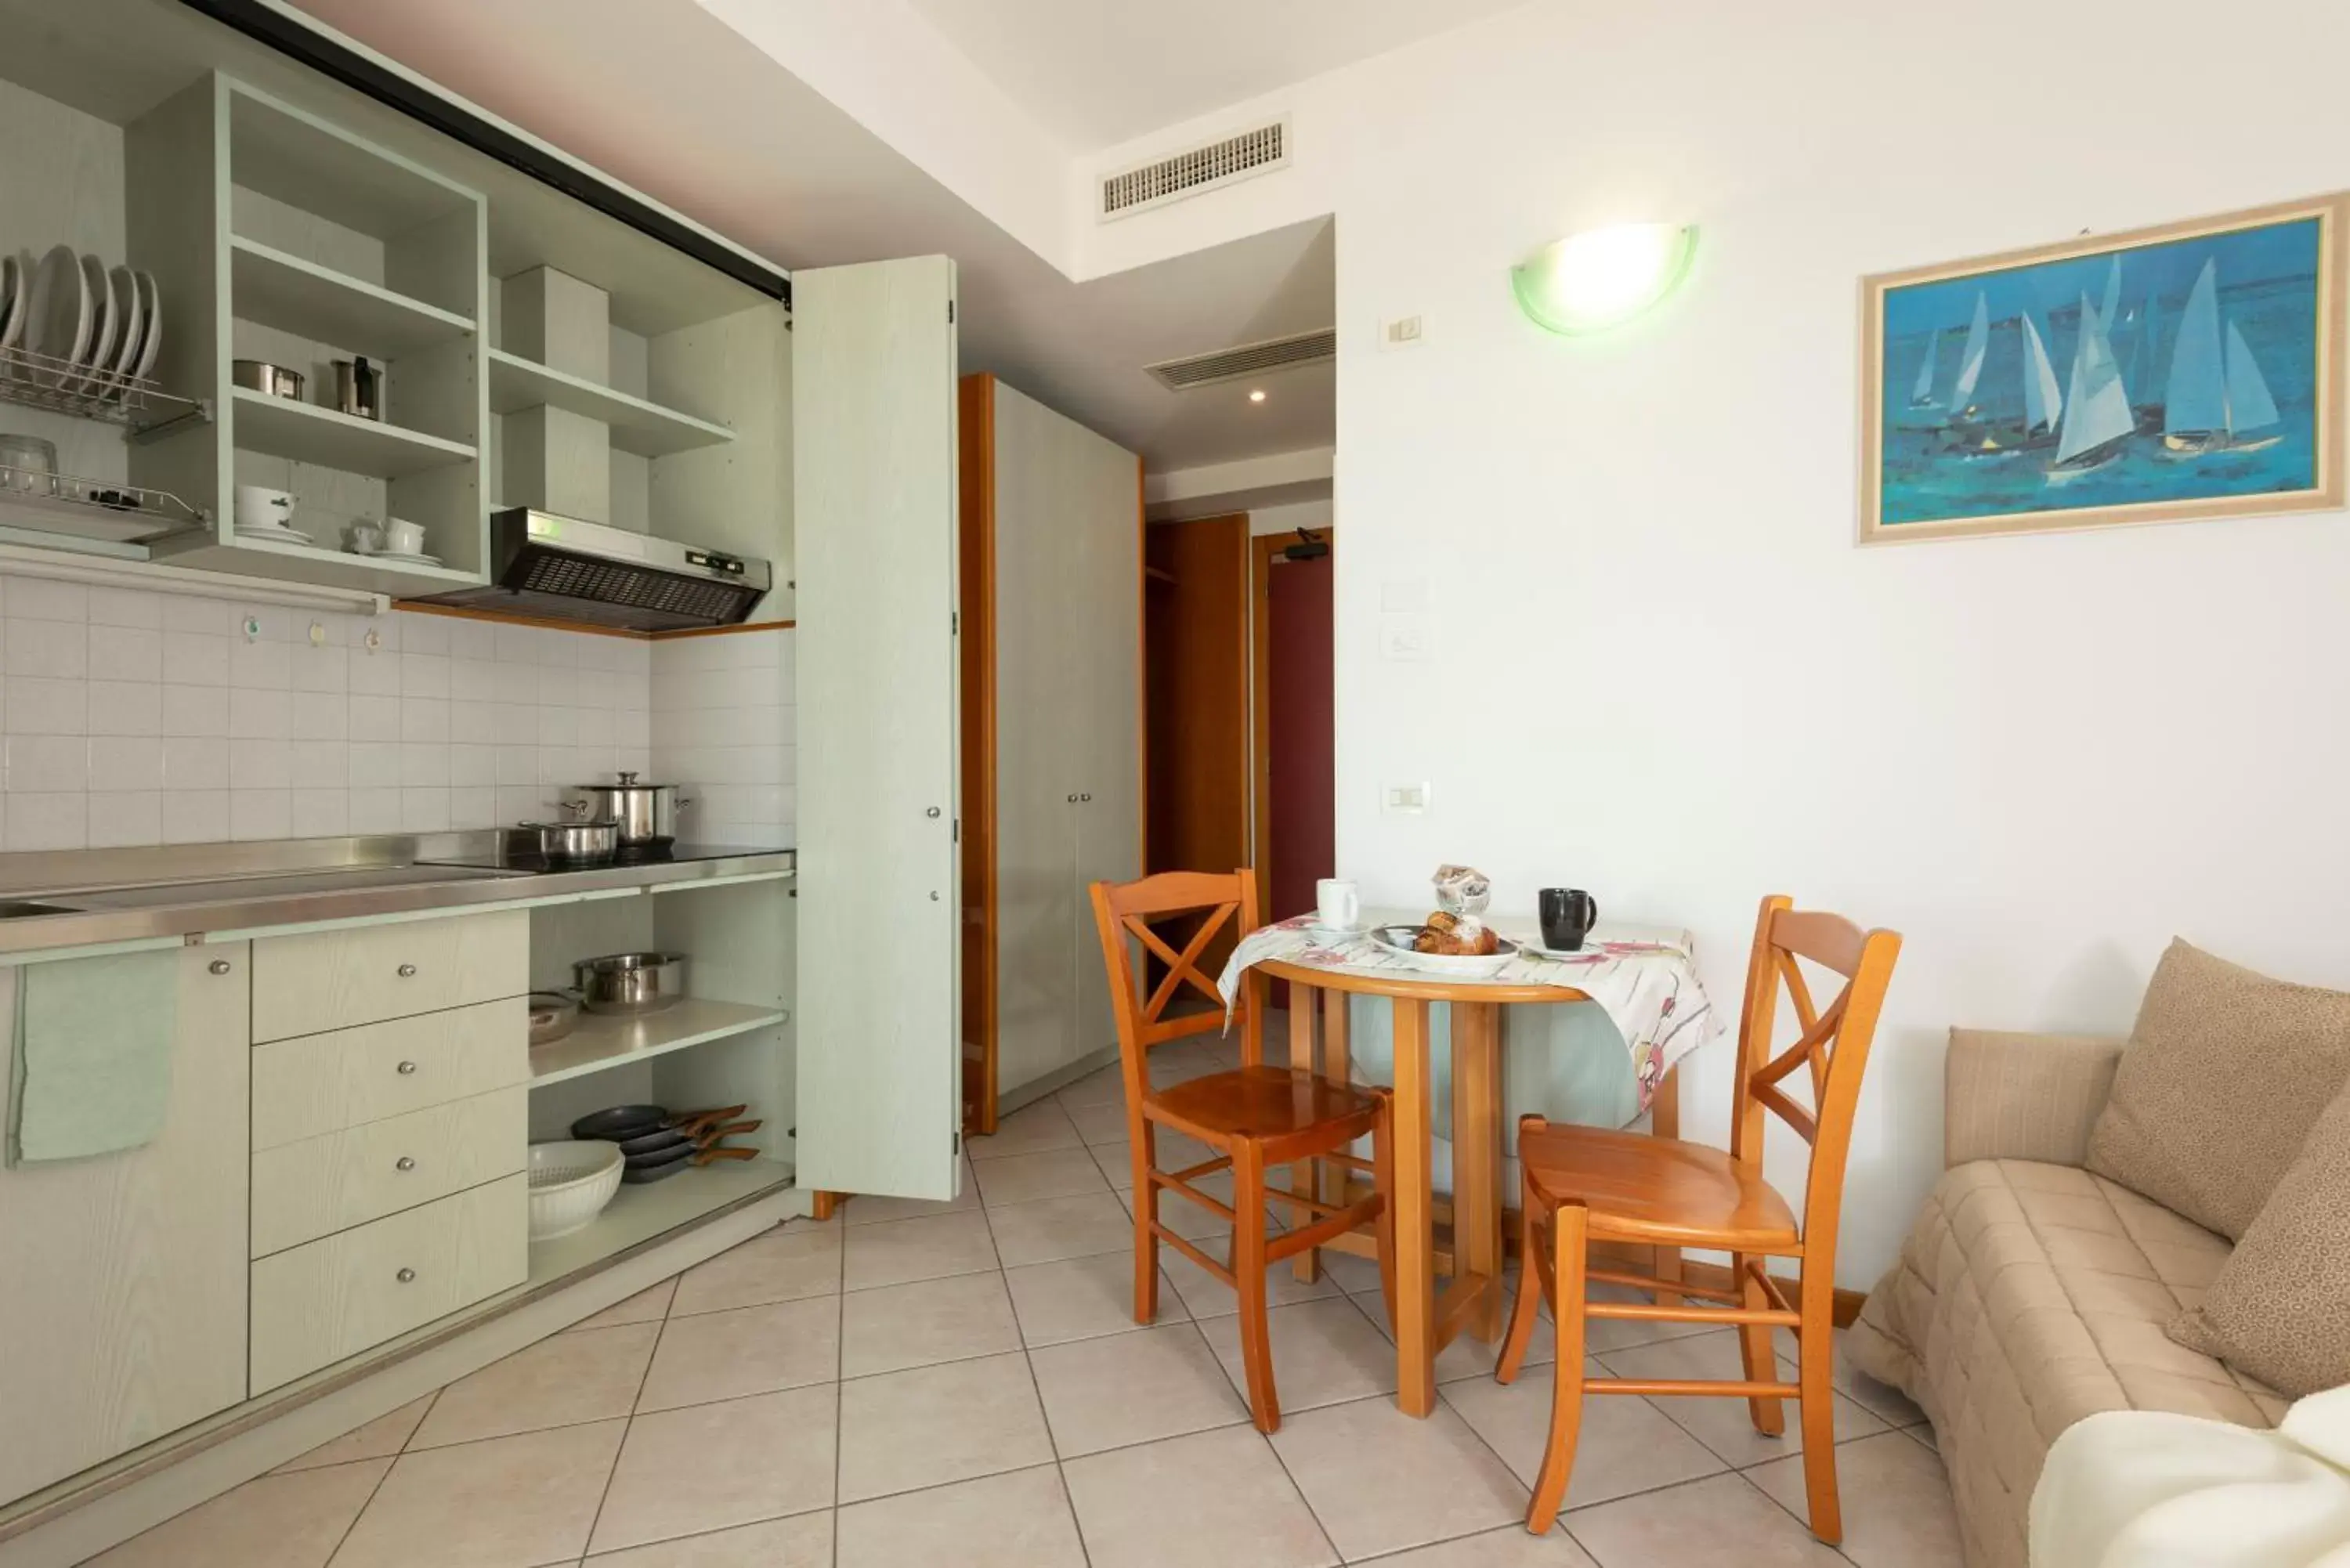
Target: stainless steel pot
582,842
647,813
631,983
261,376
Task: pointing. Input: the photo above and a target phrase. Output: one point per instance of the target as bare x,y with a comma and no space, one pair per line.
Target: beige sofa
2031,1294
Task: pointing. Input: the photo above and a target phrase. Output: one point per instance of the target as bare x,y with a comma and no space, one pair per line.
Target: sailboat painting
2193,371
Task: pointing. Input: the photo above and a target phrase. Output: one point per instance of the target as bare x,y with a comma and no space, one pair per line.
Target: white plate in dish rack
1397,940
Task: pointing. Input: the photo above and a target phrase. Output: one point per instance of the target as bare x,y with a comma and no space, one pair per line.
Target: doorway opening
1238,668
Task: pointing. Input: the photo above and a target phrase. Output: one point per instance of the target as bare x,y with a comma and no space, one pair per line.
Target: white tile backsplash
719,714
129,717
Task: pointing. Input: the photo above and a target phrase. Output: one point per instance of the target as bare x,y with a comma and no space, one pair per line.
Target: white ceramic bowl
570,1182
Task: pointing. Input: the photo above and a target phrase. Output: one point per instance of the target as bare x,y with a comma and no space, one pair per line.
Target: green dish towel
93,1057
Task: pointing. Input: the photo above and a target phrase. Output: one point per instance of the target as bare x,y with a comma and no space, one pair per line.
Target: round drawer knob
406,1276
407,1068
404,1163
408,972
219,966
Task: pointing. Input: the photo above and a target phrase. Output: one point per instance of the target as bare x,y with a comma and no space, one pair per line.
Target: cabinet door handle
408,972
406,1069
404,1163
406,1276
218,966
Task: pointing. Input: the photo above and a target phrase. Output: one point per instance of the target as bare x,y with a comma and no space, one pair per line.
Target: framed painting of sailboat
2192,370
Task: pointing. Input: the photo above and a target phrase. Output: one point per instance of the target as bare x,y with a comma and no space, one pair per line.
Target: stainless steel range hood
560,568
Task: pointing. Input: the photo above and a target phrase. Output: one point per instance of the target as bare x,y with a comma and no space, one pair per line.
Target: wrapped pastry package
1463,892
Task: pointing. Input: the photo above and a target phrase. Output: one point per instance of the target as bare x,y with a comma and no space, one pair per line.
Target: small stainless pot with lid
587,839
647,813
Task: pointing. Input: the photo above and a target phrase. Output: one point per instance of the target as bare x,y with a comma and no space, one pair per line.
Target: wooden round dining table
1424,1322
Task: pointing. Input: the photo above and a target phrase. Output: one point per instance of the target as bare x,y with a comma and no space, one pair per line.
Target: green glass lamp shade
1602,278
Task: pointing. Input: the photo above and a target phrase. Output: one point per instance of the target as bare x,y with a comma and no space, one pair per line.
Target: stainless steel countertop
133,894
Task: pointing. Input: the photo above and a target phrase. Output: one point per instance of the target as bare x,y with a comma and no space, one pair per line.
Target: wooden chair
1592,1185
1255,1117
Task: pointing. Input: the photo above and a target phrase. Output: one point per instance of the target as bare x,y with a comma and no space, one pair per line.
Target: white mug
402,537
1336,905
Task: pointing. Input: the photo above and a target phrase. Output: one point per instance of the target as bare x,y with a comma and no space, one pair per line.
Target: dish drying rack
100,508
105,509
138,403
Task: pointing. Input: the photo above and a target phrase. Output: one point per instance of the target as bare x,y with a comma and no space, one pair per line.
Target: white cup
263,507
1336,904
403,538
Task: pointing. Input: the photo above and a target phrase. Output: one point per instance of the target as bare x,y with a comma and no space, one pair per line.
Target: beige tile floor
963,1386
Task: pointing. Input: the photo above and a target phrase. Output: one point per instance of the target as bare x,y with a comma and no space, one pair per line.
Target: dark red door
1303,786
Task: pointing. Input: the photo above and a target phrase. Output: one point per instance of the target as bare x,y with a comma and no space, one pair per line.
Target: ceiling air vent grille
1248,359
1253,151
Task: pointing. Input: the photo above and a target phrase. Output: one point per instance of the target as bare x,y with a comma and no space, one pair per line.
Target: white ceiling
1097,72
671,100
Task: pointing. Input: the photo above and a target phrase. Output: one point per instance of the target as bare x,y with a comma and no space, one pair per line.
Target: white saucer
394,557
1315,929
284,536
1533,947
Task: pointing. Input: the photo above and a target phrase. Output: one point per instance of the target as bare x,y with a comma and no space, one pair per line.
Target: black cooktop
514,857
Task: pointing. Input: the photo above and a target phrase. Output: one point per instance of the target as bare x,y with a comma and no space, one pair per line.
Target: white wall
1664,672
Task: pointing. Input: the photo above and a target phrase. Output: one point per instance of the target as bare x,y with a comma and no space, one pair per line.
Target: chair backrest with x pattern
1830,1051
1123,914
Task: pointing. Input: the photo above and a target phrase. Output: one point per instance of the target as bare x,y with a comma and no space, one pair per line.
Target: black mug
1567,914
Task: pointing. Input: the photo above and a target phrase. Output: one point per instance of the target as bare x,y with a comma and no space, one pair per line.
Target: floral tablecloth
1643,977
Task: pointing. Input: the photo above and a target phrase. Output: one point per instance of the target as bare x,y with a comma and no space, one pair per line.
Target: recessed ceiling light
1257,396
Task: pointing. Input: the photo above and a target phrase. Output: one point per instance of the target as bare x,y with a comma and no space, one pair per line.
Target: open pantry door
874,467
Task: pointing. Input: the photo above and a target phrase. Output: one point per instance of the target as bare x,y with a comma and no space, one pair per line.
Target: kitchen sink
24,908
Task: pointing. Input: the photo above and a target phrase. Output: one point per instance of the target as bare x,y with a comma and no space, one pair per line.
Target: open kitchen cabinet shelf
640,428
605,1039
729,1043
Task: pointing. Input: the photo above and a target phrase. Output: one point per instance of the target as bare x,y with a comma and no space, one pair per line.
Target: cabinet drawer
316,1084
332,979
315,1305
304,1190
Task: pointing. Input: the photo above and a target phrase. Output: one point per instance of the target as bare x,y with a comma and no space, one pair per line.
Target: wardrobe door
1039,735
1108,487
873,417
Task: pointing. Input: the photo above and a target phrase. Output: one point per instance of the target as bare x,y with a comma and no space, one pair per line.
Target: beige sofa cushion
2027,1297
2280,1308
2226,1071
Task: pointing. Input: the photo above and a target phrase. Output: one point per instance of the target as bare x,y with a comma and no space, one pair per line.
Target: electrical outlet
1406,799
1401,332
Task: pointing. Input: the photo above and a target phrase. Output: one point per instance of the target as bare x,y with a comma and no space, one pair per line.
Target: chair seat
1260,1104
1643,1189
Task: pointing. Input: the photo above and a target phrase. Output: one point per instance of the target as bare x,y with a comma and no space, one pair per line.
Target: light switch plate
1406,799
1410,637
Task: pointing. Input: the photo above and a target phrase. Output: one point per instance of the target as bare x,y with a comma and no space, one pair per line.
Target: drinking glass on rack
28,465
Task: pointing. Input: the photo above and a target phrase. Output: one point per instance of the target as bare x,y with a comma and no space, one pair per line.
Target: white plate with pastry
1400,940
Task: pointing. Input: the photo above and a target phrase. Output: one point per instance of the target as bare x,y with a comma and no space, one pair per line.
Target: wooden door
123,1298
1300,771
1197,706
874,476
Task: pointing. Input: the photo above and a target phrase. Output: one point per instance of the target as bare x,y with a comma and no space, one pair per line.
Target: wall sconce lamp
1602,277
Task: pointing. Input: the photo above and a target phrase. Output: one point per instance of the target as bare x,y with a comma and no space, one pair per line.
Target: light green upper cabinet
276,235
